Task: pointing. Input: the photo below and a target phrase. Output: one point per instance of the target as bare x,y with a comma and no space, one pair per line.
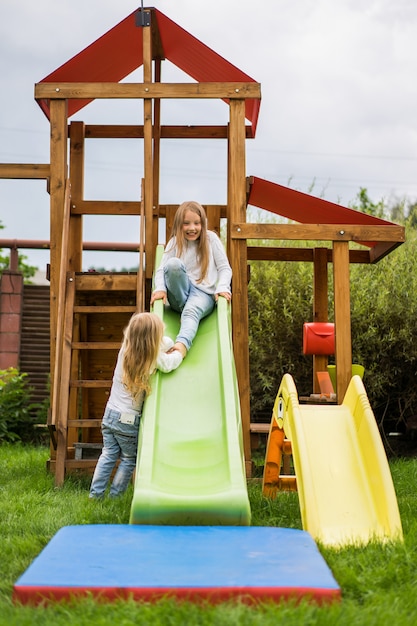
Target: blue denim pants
120,440
185,298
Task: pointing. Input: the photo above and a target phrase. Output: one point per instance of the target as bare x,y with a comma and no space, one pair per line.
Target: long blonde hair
202,242
141,342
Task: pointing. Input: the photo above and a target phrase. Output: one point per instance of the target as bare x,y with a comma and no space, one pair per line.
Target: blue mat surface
148,562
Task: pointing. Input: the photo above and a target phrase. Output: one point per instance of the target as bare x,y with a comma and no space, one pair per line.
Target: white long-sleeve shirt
120,399
219,274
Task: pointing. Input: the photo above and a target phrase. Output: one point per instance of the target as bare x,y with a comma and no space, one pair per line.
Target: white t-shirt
219,274
120,399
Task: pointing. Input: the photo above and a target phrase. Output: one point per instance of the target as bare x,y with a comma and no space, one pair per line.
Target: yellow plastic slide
343,478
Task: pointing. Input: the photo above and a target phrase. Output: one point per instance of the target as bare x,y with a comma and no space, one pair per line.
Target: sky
338,110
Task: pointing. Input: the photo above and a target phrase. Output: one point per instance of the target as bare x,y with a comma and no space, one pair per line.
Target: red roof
306,209
117,53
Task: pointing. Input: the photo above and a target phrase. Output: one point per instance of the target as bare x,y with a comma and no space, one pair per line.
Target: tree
364,204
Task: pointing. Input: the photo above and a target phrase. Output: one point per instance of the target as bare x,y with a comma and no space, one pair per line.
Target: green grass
378,582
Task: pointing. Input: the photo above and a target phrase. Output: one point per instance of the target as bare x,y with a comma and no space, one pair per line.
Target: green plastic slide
190,468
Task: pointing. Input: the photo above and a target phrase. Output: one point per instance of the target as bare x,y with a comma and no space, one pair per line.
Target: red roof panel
117,53
303,208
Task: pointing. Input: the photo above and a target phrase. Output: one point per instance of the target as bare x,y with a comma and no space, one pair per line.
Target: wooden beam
105,207
25,170
271,253
87,91
381,250
192,131
319,232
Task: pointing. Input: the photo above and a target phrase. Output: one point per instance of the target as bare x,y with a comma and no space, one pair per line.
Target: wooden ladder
91,338
92,311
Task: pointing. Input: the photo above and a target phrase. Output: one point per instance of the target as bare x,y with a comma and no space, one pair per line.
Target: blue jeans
187,299
119,441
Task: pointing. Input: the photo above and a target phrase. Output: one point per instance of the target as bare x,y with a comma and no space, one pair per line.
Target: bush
384,331
280,298
16,423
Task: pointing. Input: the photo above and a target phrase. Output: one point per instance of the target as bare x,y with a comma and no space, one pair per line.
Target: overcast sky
338,111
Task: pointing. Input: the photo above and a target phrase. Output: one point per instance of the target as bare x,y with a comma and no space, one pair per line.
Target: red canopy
303,208
117,53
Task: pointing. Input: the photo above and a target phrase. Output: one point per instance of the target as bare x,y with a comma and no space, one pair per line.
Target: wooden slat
34,346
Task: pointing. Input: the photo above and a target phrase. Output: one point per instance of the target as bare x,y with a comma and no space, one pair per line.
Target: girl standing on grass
143,350
193,273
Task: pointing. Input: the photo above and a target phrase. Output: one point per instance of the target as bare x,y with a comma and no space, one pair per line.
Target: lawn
378,582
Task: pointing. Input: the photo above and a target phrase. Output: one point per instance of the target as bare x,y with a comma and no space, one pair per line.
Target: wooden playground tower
89,310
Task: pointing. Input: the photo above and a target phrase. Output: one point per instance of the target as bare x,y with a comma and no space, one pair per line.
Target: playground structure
193,460
83,348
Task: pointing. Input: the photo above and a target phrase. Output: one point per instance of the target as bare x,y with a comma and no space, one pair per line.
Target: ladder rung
260,427
104,309
84,423
105,282
80,463
92,384
95,345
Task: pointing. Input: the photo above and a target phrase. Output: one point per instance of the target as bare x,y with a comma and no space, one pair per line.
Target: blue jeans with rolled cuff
120,441
187,299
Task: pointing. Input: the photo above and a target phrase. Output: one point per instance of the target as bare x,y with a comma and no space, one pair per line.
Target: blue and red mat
213,563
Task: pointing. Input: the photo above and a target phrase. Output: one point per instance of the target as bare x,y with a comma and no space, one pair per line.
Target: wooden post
77,153
156,159
342,317
237,250
148,152
320,306
58,170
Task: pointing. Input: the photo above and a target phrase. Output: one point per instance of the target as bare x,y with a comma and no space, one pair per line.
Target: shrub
15,420
280,301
